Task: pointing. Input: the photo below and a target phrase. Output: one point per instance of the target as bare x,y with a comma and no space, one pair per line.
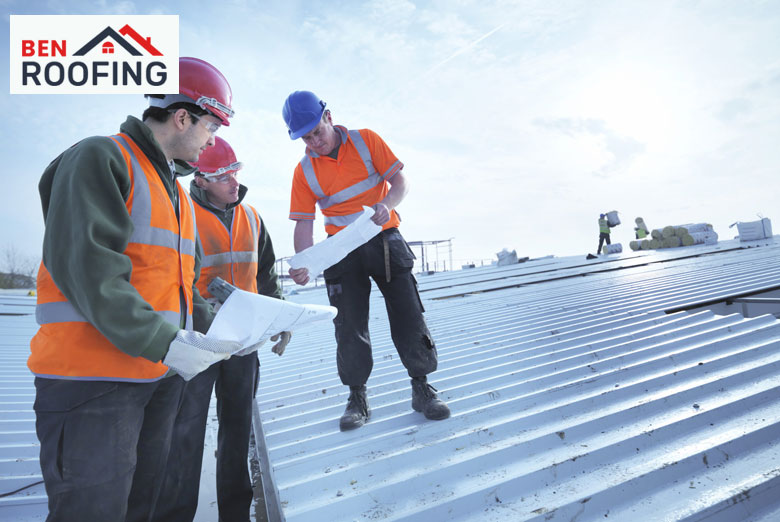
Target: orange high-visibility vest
162,252
229,254
345,206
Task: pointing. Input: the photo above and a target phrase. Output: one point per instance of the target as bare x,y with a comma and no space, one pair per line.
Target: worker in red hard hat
237,248
342,171
121,321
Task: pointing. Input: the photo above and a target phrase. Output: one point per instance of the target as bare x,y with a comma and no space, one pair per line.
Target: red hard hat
202,84
217,160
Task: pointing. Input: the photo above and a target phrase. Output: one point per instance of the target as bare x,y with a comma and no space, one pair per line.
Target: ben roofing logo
51,55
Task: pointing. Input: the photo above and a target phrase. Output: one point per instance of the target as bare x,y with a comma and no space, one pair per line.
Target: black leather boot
424,400
357,412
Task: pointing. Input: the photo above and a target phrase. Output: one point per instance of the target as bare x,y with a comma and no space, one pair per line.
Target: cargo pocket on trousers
401,256
333,286
417,292
54,398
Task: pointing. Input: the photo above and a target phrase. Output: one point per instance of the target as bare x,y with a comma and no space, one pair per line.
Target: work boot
357,412
424,400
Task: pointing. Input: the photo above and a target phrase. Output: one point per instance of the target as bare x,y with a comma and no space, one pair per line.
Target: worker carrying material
604,229
342,171
640,230
117,304
237,247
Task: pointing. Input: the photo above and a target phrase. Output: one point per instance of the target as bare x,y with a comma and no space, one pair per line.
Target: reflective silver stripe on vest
60,312
63,312
371,181
253,221
187,246
311,177
141,214
225,258
342,221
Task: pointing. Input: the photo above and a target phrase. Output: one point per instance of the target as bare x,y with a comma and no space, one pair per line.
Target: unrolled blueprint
251,318
332,250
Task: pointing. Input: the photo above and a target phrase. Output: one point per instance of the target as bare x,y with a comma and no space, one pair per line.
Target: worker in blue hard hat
342,171
302,111
604,226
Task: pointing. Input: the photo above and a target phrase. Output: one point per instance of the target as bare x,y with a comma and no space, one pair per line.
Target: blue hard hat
302,112
601,215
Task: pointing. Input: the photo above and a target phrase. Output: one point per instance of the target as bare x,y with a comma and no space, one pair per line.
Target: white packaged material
614,248
251,318
505,257
332,250
691,228
753,230
700,238
612,218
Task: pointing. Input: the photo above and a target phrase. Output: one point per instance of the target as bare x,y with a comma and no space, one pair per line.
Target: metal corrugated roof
19,465
574,395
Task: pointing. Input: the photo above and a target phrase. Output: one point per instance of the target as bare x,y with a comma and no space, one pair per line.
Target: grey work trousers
236,383
104,445
349,287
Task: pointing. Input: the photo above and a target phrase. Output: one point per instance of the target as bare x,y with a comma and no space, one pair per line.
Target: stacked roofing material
572,397
677,236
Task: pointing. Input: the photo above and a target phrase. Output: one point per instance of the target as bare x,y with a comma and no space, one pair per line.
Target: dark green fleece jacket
83,194
267,280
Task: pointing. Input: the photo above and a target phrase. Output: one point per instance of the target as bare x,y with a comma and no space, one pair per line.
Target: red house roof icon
146,43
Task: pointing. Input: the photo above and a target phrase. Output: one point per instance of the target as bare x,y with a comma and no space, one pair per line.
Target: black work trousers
235,383
603,237
104,445
349,287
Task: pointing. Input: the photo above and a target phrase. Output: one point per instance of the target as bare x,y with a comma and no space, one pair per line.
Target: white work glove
279,347
192,352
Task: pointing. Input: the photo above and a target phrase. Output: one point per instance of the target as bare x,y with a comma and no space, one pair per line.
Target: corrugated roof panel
19,448
575,397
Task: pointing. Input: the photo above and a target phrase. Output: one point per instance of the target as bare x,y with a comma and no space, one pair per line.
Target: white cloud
518,122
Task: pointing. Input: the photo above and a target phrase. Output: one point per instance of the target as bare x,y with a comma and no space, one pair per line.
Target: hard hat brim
303,131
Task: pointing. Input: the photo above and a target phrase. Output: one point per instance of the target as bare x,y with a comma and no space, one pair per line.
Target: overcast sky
518,121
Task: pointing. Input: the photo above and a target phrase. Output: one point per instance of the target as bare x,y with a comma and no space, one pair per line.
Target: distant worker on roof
118,308
341,171
640,230
237,248
604,226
